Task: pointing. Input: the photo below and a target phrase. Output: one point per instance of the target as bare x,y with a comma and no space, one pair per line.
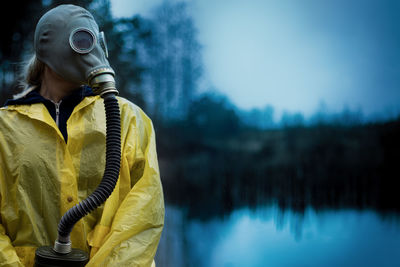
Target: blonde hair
31,76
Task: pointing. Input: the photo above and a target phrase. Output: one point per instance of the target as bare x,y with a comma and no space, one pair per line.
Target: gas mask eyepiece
82,40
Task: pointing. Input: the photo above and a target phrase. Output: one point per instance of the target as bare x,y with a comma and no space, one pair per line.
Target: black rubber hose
111,173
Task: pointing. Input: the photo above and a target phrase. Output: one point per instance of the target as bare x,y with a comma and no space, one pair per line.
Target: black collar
34,97
65,107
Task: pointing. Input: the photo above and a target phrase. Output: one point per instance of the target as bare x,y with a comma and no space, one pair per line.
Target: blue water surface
269,236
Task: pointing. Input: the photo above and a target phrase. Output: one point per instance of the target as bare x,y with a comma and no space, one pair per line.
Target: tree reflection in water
270,236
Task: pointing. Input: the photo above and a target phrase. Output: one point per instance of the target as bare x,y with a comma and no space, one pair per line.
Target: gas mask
67,39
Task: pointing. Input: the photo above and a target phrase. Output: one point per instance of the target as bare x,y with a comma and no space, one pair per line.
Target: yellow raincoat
41,177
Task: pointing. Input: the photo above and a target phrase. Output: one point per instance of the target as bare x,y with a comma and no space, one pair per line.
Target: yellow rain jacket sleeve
8,255
41,177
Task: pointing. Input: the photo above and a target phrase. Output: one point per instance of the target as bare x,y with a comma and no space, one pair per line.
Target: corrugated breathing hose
111,173
62,254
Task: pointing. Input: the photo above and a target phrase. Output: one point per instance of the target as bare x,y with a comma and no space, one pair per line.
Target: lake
269,236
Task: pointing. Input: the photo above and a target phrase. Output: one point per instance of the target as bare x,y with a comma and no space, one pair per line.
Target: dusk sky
295,55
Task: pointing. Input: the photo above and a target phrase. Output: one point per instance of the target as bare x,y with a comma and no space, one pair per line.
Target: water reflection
271,237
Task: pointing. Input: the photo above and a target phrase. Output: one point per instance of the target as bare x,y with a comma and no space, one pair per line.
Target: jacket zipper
57,112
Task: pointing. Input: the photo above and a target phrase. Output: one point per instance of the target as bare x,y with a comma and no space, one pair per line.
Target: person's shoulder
129,108
4,109
5,113
133,117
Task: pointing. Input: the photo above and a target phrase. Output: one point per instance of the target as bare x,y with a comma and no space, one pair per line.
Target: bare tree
172,55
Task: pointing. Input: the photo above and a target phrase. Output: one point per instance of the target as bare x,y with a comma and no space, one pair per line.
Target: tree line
214,157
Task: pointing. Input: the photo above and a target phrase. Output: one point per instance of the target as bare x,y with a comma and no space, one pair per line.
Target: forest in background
214,157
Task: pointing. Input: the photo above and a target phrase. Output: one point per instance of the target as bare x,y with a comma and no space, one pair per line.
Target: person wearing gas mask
53,153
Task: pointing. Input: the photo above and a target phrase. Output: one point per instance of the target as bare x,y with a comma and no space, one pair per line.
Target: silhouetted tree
212,118
173,60
124,38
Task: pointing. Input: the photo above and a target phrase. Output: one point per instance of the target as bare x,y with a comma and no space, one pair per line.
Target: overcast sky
294,55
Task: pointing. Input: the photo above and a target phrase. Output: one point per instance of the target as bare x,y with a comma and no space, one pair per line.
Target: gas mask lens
82,40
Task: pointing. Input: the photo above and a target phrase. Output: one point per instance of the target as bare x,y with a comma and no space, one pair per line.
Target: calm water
271,237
